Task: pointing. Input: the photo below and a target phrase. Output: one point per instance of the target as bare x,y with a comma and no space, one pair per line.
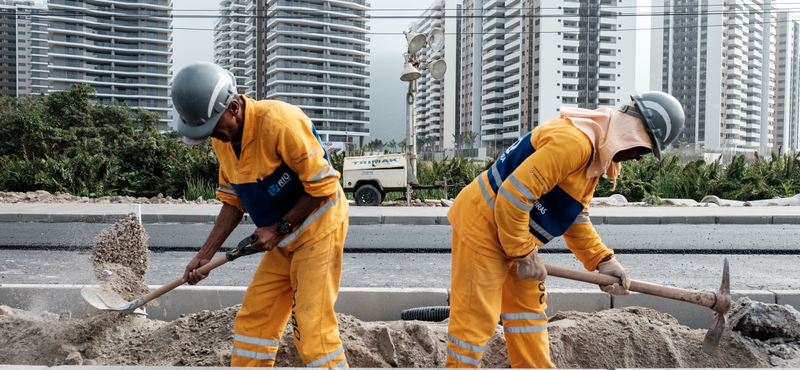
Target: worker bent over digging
272,166
539,189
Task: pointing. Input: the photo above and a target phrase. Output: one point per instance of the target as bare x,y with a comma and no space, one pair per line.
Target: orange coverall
537,190
298,281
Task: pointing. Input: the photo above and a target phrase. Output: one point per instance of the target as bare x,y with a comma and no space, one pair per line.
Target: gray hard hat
662,115
201,92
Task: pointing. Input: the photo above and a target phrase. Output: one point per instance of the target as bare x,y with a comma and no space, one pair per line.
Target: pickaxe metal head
721,307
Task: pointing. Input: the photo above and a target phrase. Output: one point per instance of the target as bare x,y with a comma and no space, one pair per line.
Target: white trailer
371,177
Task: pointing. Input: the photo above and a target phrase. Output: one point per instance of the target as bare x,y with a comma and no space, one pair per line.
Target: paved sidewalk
207,213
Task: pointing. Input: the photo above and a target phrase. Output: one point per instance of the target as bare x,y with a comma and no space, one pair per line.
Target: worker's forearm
304,206
229,217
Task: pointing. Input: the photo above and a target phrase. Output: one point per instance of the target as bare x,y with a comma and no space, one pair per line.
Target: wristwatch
284,227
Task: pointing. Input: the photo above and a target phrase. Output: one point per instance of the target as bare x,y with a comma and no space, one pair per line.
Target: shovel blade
102,300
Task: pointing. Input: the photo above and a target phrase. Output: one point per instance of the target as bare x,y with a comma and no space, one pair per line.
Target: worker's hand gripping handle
243,249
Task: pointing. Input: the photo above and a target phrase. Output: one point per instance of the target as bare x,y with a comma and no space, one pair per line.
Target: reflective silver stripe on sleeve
226,186
255,355
464,359
464,344
523,316
581,220
524,329
540,230
311,218
323,174
521,188
496,175
485,192
256,341
341,364
326,358
516,202
312,153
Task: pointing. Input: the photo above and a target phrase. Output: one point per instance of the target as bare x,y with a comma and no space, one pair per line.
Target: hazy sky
194,20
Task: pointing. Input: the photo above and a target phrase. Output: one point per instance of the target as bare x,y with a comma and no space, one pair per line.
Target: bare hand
192,275
268,238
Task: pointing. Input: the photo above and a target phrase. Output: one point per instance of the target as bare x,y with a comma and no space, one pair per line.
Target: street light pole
435,39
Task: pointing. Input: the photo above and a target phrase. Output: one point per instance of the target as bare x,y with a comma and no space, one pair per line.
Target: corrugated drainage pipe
432,313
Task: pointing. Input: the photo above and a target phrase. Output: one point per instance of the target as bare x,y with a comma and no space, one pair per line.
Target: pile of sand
617,338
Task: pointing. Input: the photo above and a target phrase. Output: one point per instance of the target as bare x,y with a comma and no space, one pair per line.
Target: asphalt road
625,239
687,256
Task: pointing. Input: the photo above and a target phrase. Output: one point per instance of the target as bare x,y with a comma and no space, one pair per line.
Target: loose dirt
120,258
617,338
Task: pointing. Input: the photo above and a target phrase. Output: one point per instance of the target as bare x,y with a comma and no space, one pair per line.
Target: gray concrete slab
24,367
367,304
632,220
577,300
366,220
745,219
375,304
790,297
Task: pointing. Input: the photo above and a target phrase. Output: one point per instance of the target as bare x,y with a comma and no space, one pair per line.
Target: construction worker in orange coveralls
272,166
537,190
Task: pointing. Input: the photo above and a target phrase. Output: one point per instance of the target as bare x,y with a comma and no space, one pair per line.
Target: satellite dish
409,73
415,41
436,39
437,69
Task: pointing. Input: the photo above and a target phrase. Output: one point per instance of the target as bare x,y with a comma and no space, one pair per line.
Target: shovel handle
706,299
205,269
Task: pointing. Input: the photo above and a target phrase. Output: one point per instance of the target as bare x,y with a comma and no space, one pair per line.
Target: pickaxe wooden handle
719,301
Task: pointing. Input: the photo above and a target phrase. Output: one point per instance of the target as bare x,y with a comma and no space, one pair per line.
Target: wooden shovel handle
706,299
205,269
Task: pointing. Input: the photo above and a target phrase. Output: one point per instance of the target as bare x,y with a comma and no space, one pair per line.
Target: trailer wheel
368,195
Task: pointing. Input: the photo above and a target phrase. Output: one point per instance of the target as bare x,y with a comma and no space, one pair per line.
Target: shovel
719,302
101,300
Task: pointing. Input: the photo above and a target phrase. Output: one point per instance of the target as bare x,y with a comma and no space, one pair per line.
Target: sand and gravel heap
120,259
617,338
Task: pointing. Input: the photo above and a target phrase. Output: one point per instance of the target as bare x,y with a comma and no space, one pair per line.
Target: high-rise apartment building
523,59
314,55
436,109
121,48
23,48
718,60
787,107
235,43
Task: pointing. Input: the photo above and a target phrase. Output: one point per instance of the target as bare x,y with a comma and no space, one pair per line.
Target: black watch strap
284,227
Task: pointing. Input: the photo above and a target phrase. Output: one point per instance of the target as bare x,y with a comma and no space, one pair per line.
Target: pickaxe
719,301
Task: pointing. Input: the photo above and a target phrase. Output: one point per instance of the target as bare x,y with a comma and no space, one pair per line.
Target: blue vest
554,212
269,199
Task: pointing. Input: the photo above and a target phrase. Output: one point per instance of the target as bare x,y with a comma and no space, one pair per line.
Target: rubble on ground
632,337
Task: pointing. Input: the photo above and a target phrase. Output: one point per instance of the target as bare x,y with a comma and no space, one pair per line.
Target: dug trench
758,335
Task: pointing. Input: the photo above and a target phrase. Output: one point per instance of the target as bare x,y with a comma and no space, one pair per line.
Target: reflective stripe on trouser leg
475,298
264,312
525,322
316,273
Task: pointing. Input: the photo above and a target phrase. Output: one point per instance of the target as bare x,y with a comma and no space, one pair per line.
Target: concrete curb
369,304
410,219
